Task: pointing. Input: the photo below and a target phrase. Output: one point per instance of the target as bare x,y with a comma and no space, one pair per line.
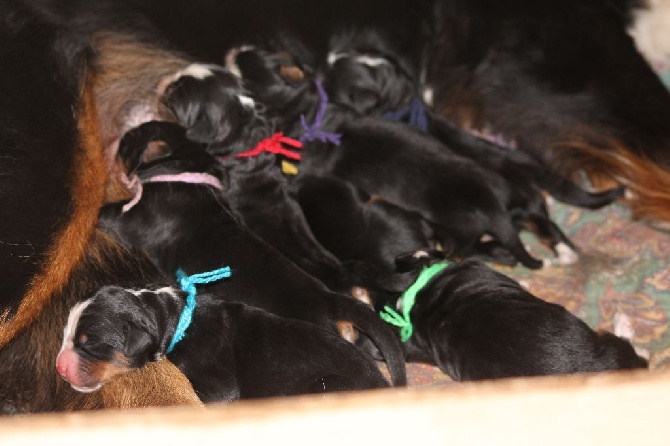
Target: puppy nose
61,366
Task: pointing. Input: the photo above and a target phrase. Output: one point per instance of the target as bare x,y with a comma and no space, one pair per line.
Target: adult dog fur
52,138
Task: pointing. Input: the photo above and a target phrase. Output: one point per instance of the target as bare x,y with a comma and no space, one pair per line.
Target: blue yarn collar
414,114
188,284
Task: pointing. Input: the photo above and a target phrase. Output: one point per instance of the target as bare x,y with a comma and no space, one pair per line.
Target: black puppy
396,166
258,191
212,104
228,352
375,84
356,226
366,73
476,323
191,226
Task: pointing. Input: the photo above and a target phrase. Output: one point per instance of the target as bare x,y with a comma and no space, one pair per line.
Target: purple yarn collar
313,132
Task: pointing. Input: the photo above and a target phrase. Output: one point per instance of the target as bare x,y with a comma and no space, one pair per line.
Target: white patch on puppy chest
72,322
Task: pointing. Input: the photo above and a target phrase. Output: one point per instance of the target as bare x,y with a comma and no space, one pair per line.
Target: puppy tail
379,332
567,191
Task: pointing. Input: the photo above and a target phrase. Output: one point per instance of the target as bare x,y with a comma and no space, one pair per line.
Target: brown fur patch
127,93
361,294
614,163
156,384
68,248
292,73
104,372
347,331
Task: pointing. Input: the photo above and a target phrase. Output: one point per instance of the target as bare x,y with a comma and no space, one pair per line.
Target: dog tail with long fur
367,321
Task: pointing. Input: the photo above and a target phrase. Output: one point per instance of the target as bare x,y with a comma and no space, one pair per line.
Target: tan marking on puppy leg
347,331
361,294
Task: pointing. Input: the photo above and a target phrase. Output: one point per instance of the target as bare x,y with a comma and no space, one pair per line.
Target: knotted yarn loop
414,114
274,144
391,316
313,132
187,284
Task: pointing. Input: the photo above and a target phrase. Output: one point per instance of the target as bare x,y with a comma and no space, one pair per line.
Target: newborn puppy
354,225
463,201
230,351
401,156
476,323
259,192
212,104
371,83
191,226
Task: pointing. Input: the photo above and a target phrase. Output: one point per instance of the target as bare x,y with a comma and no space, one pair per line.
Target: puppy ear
156,150
146,143
137,345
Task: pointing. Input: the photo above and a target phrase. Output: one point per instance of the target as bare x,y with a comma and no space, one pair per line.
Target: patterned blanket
623,274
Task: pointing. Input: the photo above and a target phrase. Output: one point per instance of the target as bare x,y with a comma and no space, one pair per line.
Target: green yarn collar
392,317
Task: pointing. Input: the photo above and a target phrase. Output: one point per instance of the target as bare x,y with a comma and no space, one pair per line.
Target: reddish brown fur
125,74
69,246
614,163
28,378
129,81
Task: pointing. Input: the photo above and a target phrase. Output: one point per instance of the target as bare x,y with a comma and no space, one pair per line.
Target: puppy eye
82,339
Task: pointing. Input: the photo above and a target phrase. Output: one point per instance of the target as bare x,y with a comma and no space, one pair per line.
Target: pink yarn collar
135,184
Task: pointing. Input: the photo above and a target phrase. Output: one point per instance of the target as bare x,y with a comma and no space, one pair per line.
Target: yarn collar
274,144
187,284
414,114
135,184
403,321
313,132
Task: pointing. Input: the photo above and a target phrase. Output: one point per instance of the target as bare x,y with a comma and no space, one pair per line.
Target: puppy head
211,103
368,83
279,81
105,336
